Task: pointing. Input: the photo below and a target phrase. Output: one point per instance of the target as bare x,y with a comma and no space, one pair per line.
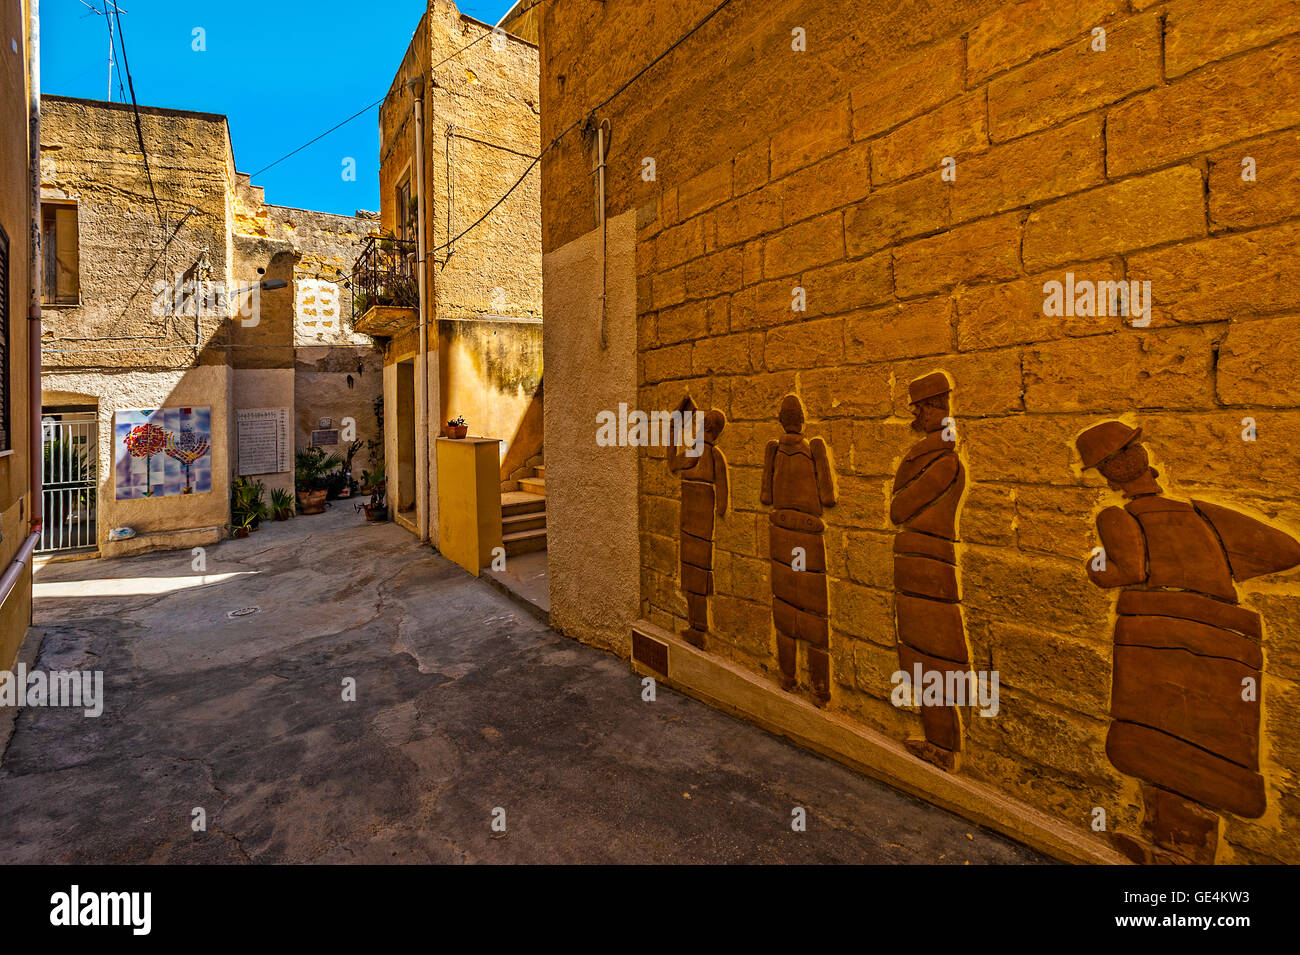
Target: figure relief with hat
798,483
1186,677
704,499
924,504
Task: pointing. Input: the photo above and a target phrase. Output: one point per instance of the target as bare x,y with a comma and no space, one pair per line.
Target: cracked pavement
465,703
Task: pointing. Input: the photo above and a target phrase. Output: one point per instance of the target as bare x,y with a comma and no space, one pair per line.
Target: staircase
523,513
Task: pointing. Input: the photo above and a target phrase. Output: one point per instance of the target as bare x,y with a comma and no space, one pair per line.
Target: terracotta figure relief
927,494
1187,662
797,484
704,498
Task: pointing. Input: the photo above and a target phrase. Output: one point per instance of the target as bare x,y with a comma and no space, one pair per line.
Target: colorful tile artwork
157,453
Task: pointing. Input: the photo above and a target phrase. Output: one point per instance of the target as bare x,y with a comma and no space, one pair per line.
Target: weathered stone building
475,349
1075,213
18,510
154,293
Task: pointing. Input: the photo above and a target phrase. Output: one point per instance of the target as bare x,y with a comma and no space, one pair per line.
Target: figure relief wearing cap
1183,719
926,497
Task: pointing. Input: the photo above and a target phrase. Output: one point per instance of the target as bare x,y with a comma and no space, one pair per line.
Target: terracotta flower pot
239,532
312,502
460,431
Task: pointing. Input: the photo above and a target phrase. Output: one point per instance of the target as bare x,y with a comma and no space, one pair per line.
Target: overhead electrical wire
135,108
578,122
366,109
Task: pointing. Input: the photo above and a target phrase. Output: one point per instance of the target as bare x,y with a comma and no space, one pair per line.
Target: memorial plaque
265,445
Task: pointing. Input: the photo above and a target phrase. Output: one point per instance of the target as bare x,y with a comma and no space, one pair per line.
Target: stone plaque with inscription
265,444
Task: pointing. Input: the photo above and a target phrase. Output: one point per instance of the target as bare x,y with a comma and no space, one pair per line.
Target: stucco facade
837,214
483,334
117,346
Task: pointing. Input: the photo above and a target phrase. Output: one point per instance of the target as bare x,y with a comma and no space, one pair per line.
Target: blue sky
284,71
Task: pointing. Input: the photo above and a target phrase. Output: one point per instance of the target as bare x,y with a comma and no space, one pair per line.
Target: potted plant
376,484
247,509
257,504
311,478
281,504
457,428
347,484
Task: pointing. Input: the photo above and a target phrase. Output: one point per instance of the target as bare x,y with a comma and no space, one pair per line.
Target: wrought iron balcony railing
384,274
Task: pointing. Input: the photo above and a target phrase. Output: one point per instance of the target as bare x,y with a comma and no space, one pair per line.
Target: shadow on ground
464,704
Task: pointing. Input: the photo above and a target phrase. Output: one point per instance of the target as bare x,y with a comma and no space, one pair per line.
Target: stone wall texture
1122,164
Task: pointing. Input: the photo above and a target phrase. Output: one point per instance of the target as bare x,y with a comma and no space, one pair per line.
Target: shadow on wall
492,375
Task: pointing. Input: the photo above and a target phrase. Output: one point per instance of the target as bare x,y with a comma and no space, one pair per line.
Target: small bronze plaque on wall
651,652
324,438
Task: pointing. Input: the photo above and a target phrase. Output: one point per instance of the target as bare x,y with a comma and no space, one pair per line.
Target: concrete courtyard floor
465,704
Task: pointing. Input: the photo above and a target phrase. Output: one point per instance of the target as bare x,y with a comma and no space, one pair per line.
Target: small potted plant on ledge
457,428
312,471
375,483
281,504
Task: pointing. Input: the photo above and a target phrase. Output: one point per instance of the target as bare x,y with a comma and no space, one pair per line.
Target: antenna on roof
112,61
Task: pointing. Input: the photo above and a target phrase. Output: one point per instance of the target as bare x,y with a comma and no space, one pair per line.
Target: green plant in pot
281,504
375,483
68,463
247,507
457,428
311,476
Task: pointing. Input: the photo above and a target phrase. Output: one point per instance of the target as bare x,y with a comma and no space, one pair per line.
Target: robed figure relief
703,470
926,496
1186,680
797,484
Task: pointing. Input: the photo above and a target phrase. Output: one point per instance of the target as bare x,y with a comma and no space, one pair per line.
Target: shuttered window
62,257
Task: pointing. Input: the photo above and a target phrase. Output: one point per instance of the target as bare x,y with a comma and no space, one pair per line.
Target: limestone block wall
919,202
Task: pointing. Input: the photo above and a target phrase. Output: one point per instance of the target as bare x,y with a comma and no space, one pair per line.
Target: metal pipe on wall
422,495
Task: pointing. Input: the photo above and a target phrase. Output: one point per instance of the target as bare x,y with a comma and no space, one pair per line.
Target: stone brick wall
1122,164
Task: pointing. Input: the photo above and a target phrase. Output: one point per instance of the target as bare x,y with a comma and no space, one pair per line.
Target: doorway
69,489
406,435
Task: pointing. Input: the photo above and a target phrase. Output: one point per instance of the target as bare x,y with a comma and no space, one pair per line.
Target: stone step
540,471
533,485
531,521
524,541
522,502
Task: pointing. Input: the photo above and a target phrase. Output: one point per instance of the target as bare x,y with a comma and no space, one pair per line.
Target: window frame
49,251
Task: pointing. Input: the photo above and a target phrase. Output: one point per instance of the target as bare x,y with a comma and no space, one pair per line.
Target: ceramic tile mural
157,453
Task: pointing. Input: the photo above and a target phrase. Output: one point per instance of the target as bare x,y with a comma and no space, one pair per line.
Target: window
405,211
4,340
62,266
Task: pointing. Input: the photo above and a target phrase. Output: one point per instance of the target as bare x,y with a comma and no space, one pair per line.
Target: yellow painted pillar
469,500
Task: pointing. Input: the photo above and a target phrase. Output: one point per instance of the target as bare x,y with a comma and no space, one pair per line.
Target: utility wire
366,109
577,122
135,108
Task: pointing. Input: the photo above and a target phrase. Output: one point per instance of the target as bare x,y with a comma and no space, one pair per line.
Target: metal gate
71,451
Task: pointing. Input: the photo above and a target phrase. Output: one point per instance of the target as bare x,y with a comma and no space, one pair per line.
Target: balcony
385,290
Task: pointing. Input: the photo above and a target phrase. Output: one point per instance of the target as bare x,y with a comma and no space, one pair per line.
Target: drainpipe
604,231
422,469
15,569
